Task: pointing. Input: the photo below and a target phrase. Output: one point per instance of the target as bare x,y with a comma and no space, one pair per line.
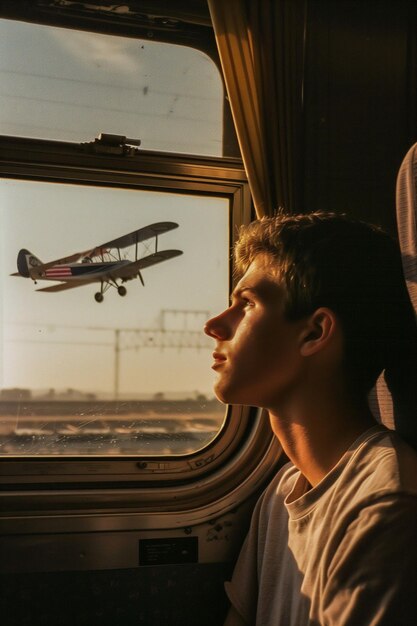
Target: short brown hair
349,266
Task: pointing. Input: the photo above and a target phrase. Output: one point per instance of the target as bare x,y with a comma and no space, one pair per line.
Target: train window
70,85
108,384
85,371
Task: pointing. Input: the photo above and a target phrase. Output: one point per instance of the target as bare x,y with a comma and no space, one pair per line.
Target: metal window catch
117,145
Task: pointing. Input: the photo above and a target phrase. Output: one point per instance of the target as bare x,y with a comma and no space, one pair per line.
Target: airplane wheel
98,297
122,291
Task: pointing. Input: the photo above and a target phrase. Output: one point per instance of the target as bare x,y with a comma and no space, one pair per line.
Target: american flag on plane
60,271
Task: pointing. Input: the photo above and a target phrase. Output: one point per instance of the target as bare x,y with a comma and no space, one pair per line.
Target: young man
320,311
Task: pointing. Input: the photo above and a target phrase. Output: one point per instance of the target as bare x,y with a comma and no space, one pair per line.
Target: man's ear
318,332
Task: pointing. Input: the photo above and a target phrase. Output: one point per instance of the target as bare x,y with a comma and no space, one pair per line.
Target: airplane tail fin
28,264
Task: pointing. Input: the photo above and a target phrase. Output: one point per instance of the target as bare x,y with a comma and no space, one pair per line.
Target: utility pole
116,362
162,337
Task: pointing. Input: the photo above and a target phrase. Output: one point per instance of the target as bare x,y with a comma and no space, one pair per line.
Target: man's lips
219,359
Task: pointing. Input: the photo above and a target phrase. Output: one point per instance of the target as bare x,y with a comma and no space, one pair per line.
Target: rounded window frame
61,162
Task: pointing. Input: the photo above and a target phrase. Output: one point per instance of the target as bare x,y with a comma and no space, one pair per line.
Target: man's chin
221,397
228,396
222,394
238,395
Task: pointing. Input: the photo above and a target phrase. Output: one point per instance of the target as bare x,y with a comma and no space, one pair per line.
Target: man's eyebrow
236,293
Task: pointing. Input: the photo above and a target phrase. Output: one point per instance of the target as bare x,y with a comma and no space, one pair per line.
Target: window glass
126,376
70,85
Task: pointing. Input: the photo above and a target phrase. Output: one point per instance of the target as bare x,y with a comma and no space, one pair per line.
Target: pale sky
70,85
60,84
51,224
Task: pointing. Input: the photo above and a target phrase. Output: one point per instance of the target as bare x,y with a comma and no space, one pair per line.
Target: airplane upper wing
120,242
72,258
126,271
153,230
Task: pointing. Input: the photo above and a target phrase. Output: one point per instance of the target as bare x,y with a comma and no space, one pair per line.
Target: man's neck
315,437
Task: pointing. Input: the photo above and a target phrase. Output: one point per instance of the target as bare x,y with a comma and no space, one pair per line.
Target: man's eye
247,302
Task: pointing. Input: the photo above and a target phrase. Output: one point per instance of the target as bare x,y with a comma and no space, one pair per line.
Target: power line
163,338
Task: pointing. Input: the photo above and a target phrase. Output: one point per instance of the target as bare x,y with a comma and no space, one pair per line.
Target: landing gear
121,290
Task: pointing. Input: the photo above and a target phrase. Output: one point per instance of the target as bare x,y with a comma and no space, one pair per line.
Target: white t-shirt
343,553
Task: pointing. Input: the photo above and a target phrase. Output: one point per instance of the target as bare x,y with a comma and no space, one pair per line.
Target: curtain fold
261,48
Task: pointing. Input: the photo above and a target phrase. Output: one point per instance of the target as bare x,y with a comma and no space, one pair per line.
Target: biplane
103,264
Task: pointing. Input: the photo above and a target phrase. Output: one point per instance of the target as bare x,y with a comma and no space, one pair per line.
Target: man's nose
217,327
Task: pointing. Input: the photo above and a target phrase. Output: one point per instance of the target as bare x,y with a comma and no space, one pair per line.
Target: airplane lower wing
125,271
69,285
131,270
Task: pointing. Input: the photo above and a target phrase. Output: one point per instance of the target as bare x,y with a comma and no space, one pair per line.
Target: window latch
113,145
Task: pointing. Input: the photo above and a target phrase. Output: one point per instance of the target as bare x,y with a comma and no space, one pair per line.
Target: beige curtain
261,45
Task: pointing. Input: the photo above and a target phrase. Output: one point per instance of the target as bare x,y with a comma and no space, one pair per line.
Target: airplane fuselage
76,271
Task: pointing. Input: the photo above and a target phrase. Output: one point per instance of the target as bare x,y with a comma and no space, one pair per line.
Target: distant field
107,428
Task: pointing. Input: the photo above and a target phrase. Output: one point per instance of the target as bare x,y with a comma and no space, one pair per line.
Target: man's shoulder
382,467
384,463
